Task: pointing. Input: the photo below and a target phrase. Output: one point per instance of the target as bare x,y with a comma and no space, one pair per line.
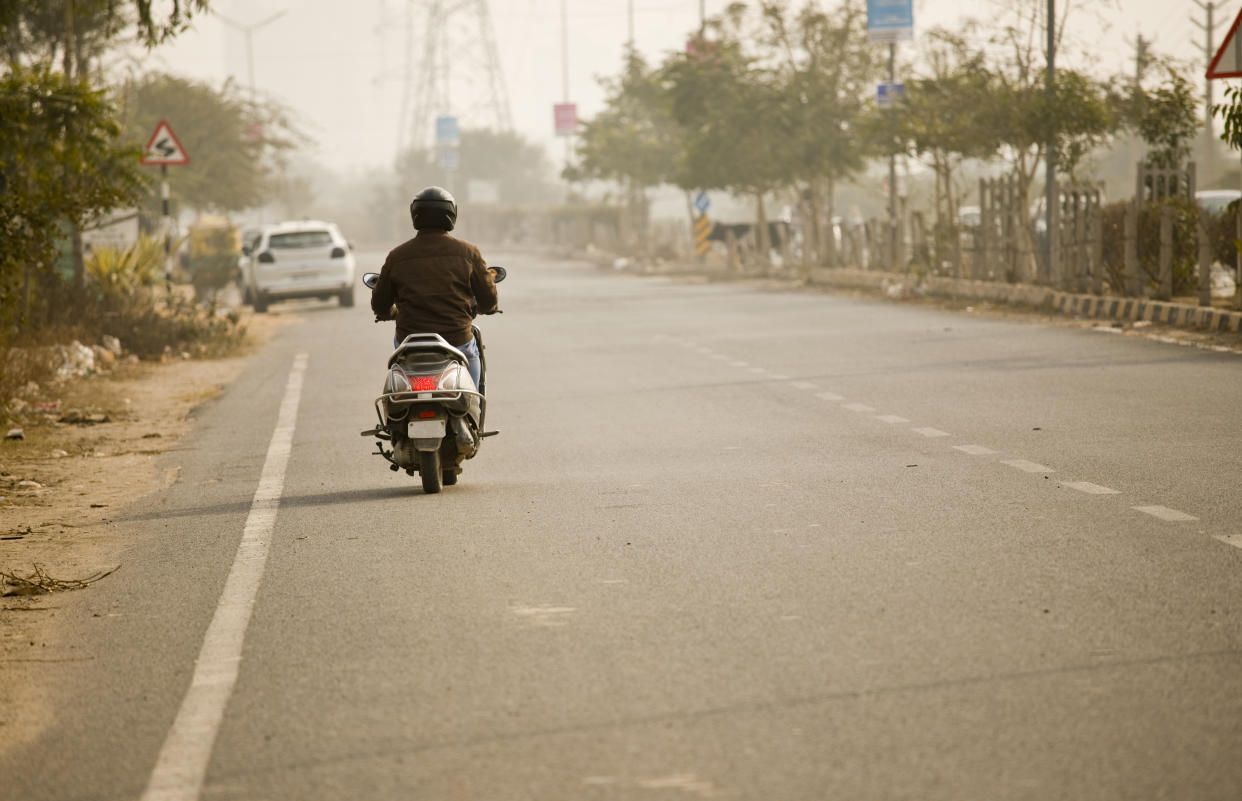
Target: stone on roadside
59,454
113,344
15,433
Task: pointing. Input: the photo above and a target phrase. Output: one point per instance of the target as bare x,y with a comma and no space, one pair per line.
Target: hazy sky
340,64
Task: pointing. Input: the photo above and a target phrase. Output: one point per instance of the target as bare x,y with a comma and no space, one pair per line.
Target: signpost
888,95
1228,64
164,149
890,22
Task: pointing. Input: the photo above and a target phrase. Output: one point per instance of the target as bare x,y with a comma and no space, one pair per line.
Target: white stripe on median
182,763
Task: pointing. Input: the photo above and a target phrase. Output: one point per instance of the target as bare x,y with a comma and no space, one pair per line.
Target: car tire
347,298
260,304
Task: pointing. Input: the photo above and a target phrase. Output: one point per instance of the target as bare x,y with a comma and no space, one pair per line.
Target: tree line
77,110
777,99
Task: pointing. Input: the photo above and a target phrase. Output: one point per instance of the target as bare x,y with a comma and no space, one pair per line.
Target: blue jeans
473,363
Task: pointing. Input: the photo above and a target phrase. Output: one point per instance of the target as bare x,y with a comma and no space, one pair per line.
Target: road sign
163,148
702,230
565,118
702,202
888,95
890,20
1228,60
447,132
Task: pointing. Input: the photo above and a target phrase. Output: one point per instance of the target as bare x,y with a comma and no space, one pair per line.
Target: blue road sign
890,20
888,95
447,132
702,202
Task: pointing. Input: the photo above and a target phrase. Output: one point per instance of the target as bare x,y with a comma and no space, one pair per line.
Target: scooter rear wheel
429,470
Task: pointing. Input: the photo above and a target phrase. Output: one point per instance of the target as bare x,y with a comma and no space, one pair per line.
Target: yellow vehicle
213,245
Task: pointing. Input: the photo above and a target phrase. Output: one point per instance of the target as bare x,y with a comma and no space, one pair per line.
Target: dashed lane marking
1089,488
830,396
1230,539
1165,513
859,407
974,450
931,432
807,385
1028,467
739,364
891,418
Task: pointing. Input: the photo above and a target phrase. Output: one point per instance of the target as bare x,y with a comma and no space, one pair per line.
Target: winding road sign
1228,60
163,148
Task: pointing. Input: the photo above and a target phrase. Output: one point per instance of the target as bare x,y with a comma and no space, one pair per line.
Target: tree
824,69
236,147
56,132
1166,117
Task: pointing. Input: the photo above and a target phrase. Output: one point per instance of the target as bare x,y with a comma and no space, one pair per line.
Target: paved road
731,544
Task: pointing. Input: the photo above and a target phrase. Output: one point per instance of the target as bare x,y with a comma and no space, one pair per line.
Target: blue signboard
702,202
447,132
888,95
890,20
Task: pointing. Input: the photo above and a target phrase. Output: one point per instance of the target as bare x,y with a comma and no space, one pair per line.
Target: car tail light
266,257
338,253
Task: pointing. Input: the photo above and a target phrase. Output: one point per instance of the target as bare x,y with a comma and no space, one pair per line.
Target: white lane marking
544,615
931,432
807,385
974,450
780,377
859,407
1230,539
1165,513
756,370
1089,488
830,396
182,762
891,418
739,364
1028,467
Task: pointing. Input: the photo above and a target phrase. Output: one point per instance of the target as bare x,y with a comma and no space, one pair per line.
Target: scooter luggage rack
426,343
429,396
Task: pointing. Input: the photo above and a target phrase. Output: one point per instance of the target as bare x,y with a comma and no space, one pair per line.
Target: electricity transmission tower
452,70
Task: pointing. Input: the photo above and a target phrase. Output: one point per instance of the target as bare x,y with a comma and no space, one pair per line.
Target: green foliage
1185,251
1166,117
235,147
126,272
60,161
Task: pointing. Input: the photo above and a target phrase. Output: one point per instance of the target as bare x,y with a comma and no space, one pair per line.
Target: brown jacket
433,278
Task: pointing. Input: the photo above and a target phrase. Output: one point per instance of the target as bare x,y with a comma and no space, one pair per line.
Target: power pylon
453,71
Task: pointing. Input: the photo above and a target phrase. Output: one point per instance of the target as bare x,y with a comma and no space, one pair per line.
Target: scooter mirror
501,272
370,279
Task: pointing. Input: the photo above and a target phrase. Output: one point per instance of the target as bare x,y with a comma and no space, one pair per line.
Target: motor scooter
430,413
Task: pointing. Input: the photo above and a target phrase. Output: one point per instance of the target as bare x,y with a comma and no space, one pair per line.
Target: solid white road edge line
182,764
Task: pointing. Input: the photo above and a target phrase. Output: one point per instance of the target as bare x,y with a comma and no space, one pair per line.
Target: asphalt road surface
732,543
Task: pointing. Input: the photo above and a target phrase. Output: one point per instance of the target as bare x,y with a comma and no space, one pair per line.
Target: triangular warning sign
1228,60
163,148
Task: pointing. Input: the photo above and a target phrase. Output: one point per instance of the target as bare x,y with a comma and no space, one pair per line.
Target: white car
1217,200
299,259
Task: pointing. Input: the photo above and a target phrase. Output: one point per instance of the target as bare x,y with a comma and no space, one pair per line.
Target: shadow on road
242,507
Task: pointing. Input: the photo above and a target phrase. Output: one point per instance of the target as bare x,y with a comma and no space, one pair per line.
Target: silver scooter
430,413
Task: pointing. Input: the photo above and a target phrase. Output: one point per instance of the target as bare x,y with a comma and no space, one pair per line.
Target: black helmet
433,208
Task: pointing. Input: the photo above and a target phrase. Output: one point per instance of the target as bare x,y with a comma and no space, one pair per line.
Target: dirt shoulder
90,448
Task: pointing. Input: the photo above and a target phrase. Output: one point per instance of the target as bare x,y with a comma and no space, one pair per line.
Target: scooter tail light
398,381
424,383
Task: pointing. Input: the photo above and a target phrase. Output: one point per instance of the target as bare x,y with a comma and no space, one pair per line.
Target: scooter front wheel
429,470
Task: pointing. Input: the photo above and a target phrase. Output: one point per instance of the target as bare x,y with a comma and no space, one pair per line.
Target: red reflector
426,415
420,383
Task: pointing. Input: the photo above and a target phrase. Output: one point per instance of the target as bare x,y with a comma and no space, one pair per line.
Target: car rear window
301,239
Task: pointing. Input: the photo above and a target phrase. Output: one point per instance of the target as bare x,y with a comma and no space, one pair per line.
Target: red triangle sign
163,148
1228,60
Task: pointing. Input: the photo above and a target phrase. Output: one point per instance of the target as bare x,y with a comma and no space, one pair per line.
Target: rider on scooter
436,282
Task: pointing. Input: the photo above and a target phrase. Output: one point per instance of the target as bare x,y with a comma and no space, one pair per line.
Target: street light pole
248,31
